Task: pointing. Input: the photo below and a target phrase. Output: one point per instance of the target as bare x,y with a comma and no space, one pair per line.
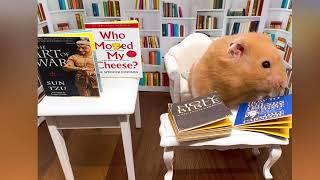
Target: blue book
62,4
95,9
284,3
176,30
271,116
175,10
141,82
158,57
164,29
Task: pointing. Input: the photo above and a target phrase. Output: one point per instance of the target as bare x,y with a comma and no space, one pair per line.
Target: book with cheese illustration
271,116
200,118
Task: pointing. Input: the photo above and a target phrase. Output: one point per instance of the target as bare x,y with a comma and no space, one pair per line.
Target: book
62,4
275,24
66,65
289,24
271,116
147,4
200,118
172,30
79,20
95,9
118,49
63,26
281,43
254,8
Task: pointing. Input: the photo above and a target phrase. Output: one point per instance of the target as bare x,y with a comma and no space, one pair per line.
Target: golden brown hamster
240,68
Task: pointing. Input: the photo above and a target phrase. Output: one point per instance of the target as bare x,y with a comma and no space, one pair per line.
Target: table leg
60,146
274,155
168,160
137,116
127,145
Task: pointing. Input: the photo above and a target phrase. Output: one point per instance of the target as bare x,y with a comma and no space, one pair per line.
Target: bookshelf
152,20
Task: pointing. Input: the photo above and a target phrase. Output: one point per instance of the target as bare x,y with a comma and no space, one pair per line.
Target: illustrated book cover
117,48
200,118
66,65
271,116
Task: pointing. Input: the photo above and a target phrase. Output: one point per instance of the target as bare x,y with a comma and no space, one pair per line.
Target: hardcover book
117,47
200,118
271,116
66,66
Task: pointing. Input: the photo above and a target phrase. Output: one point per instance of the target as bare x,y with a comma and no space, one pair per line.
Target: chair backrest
190,50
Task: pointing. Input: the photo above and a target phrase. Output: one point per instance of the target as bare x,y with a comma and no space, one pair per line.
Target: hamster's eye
266,64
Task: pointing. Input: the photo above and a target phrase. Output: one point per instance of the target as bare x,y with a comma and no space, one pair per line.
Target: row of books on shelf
172,30
211,118
243,27
256,9
65,25
149,42
40,12
106,8
278,24
139,19
286,4
216,4
147,4
171,10
154,58
154,79
72,4
206,22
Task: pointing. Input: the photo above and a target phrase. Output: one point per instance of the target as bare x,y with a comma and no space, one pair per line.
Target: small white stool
237,140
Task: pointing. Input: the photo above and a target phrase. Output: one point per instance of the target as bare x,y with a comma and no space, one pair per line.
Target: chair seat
237,137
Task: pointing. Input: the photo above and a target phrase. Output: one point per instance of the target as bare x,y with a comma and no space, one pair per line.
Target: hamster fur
237,68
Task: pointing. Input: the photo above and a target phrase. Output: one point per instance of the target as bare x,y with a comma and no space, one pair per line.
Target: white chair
178,61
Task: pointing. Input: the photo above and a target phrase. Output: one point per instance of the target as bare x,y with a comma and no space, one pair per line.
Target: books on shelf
149,42
286,4
289,24
281,43
257,7
171,10
154,57
147,4
216,4
40,13
206,22
79,20
140,21
236,12
150,79
287,53
173,30
118,51
110,8
45,30
165,79
200,118
270,116
75,4
243,27
275,24
66,65
63,26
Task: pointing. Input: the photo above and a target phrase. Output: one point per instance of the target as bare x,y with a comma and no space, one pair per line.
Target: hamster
241,68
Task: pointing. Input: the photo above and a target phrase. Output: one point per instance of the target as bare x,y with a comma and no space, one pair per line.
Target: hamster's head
259,64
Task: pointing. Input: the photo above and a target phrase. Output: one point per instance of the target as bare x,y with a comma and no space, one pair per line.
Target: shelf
281,10
242,17
210,10
150,48
279,30
150,68
208,30
142,10
178,18
103,17
66,11
42,23
165,37
149,30
154,88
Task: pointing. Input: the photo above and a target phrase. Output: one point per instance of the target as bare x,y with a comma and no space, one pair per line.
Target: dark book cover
199,112
264,110
66,66
117,4
95,10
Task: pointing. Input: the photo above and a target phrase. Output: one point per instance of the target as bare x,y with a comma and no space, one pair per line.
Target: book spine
254,8
164,30
62,4
95,9
78,21
42,12
158,57
104,3
181,31
283,4
151,57
111,8
117,8
260,7
73,4
141,81
247,8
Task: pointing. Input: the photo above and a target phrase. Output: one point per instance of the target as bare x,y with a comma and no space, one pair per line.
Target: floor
98,154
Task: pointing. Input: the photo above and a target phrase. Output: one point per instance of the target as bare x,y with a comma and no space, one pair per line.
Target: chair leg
274,155
137,116
127,145
168,160
61,148
255,151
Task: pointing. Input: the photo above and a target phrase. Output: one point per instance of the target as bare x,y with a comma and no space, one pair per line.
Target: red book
260,7
42,12
165,79
180,11
74,4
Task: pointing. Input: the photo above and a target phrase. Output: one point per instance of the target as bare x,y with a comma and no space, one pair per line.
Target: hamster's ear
236,49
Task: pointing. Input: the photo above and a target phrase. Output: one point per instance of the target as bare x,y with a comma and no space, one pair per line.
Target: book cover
117,48
66,66
62,4
95,9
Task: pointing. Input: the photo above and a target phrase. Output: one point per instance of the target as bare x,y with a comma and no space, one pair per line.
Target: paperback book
117,47
200,118
270,116
66,66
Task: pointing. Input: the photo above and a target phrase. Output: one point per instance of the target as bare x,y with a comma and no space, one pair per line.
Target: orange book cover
152,58
74,4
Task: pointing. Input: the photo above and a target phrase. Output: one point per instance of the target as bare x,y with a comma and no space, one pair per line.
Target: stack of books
171,10
206,22
40,13
72,4
149,42
150,79
281,43
216,4
154,58
244,27
106,8
172,30
165,79
147,4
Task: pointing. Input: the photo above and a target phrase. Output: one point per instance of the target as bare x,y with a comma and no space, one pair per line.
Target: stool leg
274,155
168,160
137,116
255,151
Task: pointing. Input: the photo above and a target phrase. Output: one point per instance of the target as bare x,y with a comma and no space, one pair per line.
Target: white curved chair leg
274,155
168,160
255,151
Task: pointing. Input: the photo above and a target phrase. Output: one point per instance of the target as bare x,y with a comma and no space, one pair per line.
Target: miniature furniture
237,140
118,100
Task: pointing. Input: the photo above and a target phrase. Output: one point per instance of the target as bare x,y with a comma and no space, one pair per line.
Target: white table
237,140
118,100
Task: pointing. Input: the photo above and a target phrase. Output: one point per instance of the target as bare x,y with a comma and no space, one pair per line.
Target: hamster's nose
279,82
